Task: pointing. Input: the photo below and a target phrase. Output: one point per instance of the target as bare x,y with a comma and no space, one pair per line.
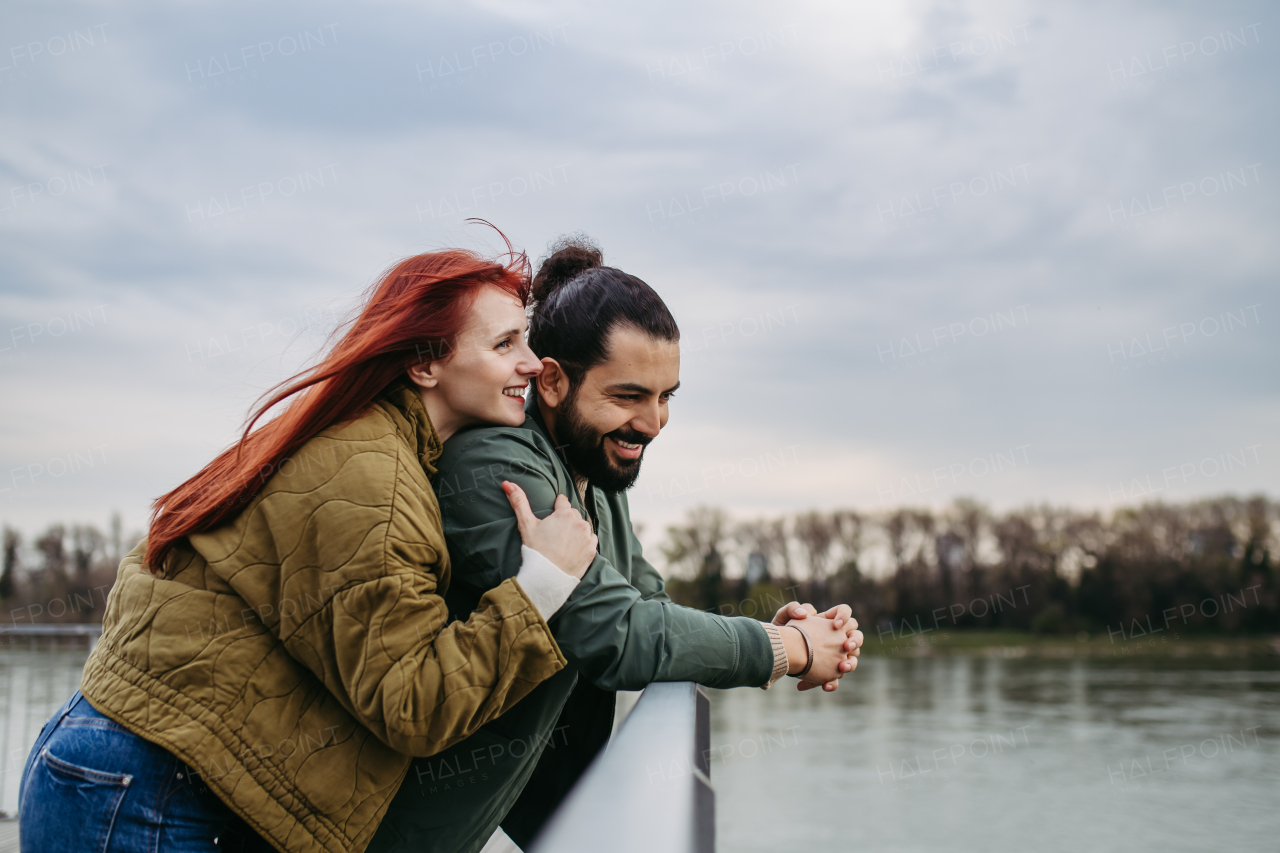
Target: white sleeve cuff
547,587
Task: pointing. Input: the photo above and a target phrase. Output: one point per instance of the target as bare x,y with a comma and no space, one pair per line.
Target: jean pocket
58,789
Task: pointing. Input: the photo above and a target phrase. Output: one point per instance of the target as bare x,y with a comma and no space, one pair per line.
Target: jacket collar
533,418
405,400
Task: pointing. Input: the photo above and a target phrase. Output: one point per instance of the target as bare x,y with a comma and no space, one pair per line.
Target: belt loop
70,704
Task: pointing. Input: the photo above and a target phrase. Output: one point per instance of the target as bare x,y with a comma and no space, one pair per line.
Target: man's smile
626,449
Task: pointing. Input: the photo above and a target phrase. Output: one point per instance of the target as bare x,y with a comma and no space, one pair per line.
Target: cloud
899,238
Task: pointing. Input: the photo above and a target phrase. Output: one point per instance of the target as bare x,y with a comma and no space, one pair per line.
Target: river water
966,754
952,754
36,678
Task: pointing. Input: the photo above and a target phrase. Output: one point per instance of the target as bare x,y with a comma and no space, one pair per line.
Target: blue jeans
92,786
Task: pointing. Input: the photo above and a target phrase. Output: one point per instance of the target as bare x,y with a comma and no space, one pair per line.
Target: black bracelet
808,645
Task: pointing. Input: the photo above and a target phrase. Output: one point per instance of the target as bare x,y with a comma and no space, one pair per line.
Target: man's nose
648,420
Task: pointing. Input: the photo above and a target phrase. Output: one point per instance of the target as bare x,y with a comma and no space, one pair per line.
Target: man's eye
668,396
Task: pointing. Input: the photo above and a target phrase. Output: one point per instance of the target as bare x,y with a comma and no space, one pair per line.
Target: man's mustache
629,435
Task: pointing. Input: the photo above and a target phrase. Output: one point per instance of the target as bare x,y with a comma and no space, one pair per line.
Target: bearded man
611,361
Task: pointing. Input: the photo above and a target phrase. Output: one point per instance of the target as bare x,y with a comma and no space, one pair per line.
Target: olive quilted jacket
302,653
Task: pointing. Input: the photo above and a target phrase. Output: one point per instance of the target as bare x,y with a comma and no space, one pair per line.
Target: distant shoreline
1016,644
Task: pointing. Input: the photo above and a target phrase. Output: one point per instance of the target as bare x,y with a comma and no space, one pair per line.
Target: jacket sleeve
358,602
620,637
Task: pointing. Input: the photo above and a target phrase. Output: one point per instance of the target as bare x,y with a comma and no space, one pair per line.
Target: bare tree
86,542
52,547
816,533
12,541
688,544
849,527
697,546
768,538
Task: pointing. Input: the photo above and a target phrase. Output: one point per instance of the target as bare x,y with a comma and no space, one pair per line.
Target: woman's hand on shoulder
564,537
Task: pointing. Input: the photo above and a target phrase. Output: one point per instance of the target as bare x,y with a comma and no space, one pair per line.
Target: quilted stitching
291,659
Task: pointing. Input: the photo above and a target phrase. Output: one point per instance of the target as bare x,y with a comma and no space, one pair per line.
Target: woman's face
488,373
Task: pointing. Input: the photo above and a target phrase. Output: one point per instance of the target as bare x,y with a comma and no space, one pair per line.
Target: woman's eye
505,343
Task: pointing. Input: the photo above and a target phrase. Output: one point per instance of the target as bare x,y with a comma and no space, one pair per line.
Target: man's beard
585,452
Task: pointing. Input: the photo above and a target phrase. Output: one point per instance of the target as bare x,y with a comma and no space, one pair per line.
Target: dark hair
580,301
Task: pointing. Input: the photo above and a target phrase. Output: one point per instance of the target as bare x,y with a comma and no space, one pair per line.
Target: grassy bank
1011,644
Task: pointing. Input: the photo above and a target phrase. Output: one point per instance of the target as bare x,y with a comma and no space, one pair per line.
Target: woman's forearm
546,585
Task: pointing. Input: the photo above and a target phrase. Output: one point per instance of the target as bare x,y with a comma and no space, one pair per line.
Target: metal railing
40,667
90,632
650,790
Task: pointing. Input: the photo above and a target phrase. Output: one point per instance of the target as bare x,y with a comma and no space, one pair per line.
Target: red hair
413,313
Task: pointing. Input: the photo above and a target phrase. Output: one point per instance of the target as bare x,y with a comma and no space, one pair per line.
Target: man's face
619,407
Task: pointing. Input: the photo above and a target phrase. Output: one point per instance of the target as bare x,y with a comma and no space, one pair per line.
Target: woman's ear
553,383
424,375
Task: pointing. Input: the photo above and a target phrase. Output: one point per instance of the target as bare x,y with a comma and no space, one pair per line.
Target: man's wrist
797,649
781,659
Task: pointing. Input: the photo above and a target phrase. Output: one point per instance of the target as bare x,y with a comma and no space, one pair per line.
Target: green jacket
302,653
619,631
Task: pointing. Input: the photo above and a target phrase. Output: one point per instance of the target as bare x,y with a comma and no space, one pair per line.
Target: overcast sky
1019,251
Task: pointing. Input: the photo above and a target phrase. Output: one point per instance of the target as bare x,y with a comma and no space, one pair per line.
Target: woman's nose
530,364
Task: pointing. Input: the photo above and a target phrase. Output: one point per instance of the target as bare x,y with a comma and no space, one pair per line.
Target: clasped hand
836,640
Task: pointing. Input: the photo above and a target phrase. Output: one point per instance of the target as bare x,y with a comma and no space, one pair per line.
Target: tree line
60,576
1204,566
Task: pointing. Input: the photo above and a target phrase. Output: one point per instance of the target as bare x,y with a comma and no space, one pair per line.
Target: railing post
704,794
650,790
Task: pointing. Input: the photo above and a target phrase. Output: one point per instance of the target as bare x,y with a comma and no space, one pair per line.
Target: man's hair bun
570,256
580,301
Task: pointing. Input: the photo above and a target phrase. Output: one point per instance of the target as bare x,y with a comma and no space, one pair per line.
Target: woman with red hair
277,648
